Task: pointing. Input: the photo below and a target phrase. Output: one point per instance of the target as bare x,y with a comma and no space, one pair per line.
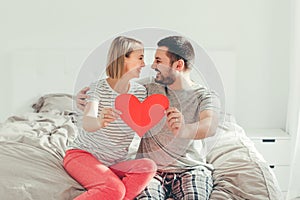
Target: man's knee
150,194
153,191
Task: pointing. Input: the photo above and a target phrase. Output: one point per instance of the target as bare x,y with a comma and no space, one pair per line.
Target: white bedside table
275,146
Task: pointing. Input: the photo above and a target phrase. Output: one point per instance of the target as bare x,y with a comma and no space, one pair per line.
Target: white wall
293,120
257,31
294,82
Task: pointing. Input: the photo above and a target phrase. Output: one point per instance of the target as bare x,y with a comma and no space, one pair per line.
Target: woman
97,157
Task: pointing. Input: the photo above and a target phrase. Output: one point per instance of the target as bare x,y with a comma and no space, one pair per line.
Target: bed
33,140
32,148
33,145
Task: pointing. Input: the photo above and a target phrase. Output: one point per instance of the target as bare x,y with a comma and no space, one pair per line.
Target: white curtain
293,119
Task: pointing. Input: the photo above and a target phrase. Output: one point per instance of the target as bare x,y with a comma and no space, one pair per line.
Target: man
192,116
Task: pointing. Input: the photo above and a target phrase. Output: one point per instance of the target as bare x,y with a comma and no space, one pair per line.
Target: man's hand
175,120
81,98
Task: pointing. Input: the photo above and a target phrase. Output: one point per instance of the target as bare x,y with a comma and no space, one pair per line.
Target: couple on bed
168,164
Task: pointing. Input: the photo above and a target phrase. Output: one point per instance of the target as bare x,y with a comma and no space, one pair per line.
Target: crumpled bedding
240,171
32,147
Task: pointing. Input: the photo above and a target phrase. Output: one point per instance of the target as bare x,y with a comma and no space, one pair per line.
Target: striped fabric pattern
110,144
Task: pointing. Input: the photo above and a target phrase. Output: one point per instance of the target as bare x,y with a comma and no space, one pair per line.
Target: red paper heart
141,116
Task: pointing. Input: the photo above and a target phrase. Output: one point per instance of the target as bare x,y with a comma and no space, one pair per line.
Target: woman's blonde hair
120,48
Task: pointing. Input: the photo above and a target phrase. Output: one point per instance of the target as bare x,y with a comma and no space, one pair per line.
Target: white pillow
58,101
240,170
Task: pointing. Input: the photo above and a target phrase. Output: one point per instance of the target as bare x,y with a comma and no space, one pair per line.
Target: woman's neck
120,85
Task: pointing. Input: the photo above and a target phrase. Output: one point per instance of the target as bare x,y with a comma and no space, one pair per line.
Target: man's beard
166,80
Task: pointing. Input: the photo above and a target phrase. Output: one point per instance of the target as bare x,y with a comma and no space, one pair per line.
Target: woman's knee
148,165
113,188
118,191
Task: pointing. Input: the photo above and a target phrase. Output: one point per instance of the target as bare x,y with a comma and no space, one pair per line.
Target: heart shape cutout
141,116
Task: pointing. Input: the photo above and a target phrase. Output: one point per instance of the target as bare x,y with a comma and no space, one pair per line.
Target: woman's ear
125,61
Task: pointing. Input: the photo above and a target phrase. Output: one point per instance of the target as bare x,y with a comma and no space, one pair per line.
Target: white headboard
35,72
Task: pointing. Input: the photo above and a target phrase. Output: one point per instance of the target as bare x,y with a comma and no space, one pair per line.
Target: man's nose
153,66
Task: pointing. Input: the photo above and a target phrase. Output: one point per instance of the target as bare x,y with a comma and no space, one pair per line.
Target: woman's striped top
109,144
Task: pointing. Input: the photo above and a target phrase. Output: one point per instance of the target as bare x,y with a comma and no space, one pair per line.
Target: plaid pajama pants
193,184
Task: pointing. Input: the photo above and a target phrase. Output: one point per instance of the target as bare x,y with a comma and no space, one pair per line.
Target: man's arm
81,98
205,127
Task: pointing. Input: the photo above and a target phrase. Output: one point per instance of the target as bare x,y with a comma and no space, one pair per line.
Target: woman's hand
108,115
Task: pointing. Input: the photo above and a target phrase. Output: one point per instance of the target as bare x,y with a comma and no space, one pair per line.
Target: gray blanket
31,152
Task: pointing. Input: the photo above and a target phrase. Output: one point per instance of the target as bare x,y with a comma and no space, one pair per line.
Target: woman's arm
91,122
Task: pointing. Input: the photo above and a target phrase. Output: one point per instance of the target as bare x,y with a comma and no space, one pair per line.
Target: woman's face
134,63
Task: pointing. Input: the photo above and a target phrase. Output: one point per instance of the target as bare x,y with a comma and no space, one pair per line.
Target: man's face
165,72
